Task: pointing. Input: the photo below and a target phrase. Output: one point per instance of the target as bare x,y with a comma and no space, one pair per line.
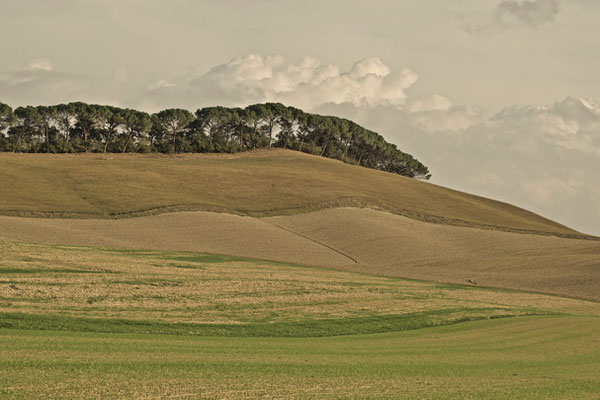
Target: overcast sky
498,98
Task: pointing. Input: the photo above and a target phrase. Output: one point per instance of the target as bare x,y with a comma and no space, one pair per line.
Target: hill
261,183
292,207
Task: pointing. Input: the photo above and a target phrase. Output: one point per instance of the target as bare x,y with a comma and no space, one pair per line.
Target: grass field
101,322
261,183
550,357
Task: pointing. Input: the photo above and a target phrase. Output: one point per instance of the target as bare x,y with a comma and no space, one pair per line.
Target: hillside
350,239
262,183
291,207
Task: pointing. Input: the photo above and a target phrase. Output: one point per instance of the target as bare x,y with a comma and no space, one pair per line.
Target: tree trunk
67,141
323,149
106,143
126,143
270,134
16,144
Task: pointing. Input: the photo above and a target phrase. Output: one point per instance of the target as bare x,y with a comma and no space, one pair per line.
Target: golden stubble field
292,207
352,239
193,288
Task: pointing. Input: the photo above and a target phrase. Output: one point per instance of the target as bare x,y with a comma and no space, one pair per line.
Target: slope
261,183
352,239
393,245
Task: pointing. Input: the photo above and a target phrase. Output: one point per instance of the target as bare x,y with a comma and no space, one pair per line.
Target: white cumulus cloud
308,83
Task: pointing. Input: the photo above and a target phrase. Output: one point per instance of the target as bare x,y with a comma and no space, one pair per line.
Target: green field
550,357
91,322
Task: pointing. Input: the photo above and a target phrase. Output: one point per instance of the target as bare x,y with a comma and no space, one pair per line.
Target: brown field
393,245
352,239
262,183
199,231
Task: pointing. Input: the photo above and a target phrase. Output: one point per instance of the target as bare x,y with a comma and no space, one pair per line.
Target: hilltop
81,128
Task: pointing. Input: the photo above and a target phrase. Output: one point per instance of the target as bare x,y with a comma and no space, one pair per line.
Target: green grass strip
306,328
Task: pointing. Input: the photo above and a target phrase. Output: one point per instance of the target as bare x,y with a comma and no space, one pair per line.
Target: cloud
38,82
316,86
572,124
551,189
307,84
531,13
159,84
312,85
453,118
431,103
39,64
510,14
121,75
548,157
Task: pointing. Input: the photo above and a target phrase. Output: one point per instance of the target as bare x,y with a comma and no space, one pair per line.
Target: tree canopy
81,127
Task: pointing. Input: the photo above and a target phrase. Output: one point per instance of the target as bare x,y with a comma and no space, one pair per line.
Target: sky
497,97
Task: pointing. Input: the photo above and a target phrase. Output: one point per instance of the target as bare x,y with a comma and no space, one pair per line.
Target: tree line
80,127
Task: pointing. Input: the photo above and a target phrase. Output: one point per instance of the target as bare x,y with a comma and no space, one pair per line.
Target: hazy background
498,98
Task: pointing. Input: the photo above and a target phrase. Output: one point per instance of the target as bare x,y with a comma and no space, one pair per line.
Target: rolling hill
291,207
261,183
